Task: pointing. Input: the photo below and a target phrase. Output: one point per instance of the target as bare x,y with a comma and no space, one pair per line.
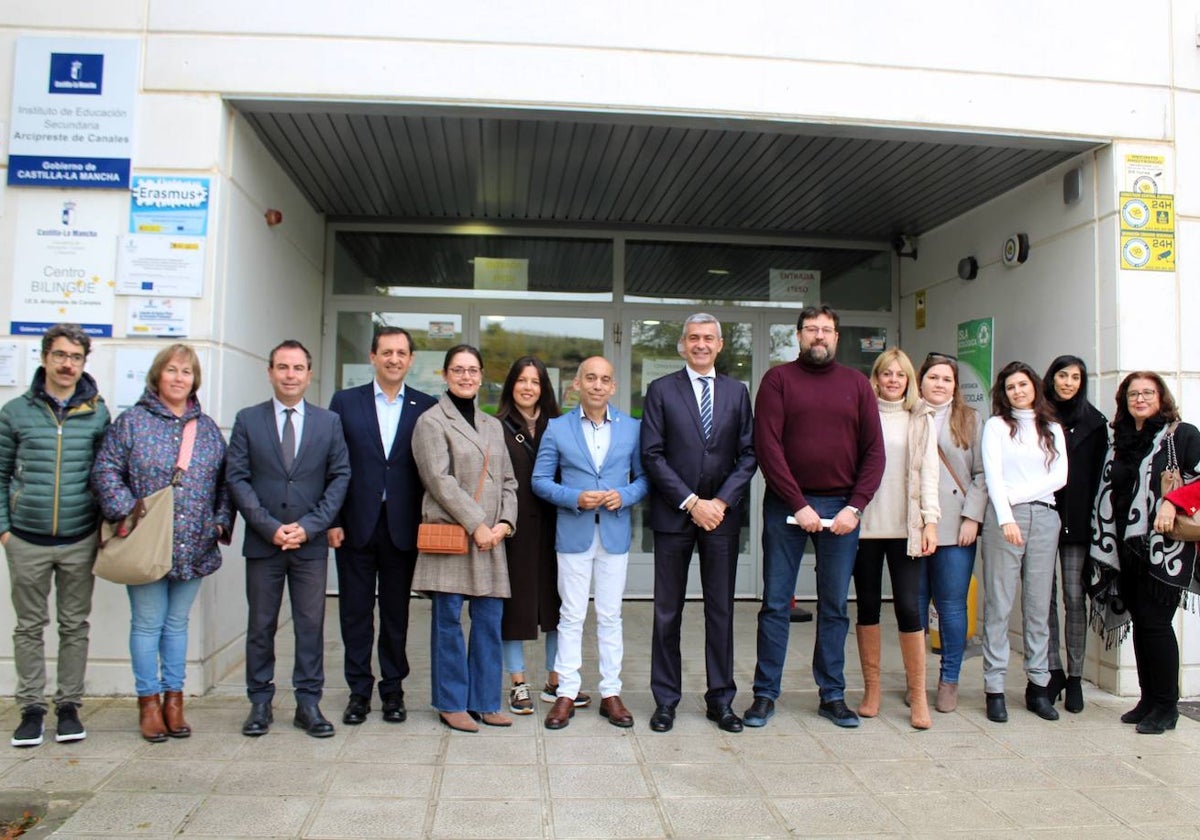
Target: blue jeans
948,578
158,633
514,653
783,547
465,678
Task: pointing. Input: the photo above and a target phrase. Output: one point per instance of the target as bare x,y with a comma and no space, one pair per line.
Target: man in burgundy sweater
820,447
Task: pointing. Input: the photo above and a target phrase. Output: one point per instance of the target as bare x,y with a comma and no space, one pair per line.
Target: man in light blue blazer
589,466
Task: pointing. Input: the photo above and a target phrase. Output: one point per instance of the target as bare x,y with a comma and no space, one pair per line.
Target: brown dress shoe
150,719
560,713
613,709
177,727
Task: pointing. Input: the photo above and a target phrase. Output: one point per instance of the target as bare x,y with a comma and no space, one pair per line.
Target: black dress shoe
259,721
356,710
309,718
663,718
997,711
839,713
1038,702
393,708
1138,713
760,711
724,717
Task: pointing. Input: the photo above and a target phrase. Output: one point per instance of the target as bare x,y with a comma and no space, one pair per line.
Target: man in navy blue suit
376,537
698,450
287,471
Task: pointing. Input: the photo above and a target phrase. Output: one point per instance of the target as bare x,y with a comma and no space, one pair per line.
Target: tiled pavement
1085,775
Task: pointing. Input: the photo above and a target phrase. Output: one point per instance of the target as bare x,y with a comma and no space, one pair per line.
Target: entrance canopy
369,161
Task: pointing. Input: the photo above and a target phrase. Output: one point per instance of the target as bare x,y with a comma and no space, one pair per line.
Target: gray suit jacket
310,494
968,466
449,453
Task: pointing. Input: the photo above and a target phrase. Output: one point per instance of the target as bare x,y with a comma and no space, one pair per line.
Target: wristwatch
508,530
856,511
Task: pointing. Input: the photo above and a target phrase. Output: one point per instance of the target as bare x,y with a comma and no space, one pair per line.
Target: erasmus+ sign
72,113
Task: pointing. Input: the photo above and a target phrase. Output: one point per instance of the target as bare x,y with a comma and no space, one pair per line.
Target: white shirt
297,420
698,389
598,437
1015,468
388,414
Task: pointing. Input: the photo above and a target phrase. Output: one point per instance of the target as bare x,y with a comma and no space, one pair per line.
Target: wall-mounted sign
1147,252
158,266
795,285
169,206
72,112
975,362
501,274
159,317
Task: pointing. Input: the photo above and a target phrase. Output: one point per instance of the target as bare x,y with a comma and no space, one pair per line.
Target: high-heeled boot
1074,701
177,727
1054,688
912,648
150,719
868,655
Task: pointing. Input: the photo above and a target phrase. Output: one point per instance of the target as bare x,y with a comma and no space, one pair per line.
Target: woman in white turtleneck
899,526
1024,462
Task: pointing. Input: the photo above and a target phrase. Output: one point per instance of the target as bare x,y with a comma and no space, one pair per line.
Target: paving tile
938,811
568,749
1106,772
965,743
201,745
611,817
1047,808
579,781
1144,806
1168,831
251,816
274,778
170,776
904,776
123,814
672,748
387,748
812,815
723,817
1124,740
467,818
496,782
776,747
400,780
1047,741
286,743
368,817
998,774
677,780
853,745
805,779
480,749
54,775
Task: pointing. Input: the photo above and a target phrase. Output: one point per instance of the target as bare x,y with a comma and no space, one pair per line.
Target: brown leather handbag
448,537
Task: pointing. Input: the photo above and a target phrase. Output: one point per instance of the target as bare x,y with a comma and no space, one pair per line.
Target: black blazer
679,461
372,471
269,496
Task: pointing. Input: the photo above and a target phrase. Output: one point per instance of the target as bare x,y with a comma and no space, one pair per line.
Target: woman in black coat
1086,432
527,404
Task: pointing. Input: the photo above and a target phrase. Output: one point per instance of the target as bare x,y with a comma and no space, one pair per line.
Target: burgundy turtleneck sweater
817,430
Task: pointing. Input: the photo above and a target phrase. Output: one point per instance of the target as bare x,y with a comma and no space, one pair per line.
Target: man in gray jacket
48,439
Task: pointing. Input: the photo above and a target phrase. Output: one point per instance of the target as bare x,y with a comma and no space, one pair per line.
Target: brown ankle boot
150,719
176,726
868,655
912,646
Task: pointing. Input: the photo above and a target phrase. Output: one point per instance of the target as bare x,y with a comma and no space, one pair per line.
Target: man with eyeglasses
375,536
48,439
819,444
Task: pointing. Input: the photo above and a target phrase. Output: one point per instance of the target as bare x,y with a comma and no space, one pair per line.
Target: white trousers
577,574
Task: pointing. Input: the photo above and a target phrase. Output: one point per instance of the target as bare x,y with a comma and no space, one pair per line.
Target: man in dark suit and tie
287,470
698,450
376,540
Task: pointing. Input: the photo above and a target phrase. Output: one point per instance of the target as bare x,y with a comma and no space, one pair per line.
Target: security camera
905,246
899,243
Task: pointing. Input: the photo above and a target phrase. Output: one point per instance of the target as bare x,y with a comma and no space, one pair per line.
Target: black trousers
1155,648
906,582
718,570
305,579
376,567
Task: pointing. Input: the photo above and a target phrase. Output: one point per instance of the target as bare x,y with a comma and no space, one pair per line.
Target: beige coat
907,498
450,454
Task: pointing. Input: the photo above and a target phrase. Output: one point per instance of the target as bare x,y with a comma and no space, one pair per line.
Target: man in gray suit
288,470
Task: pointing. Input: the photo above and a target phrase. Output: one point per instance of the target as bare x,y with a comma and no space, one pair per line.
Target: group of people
893,469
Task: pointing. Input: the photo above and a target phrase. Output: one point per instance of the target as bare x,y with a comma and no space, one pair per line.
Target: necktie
706,407
289,439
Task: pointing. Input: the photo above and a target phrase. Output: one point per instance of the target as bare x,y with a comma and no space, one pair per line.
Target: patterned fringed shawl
1170,563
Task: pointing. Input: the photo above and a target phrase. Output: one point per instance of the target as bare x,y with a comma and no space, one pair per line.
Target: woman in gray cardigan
963,498
468,477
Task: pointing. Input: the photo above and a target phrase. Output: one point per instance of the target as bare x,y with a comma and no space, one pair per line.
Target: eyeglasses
818,330
464,371
1147,395
60,356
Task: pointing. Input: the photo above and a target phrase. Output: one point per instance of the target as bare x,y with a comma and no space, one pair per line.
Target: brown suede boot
177,727
150,719
912,647
868,655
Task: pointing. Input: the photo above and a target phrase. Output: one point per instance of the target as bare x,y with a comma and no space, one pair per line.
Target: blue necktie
706,407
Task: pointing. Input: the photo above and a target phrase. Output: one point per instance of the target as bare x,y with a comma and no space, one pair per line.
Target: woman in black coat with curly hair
1086,433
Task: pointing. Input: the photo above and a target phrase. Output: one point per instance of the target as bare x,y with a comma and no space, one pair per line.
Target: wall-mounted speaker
1016,250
